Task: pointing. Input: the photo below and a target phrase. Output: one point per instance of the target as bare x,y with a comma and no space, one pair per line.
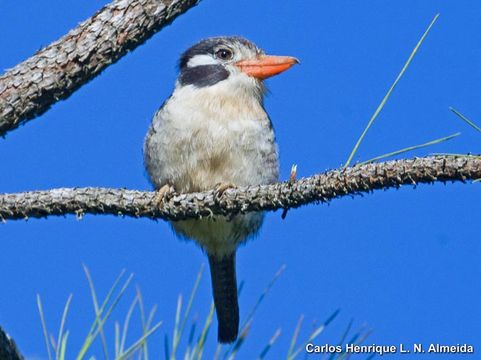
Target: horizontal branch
55,72
318,188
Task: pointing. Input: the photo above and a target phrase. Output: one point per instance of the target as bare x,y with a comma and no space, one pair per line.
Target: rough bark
55,72
8,349
318,188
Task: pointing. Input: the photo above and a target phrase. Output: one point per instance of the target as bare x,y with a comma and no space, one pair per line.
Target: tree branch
55,72
8,349
318,188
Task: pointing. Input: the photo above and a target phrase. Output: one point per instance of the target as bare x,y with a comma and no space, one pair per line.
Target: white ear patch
199,60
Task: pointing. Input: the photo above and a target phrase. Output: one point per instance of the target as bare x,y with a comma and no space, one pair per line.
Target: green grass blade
388,94
343,337
269,345
150,319
113,305
178,334
240,341
465,119
143,321
199,346
53,343
241,287
93,294
190,339
44,326
101,319
127,322
63,346
332,317
364,334
138,344
117,339
256,305
62,325
294,337
218,350
357,339
315,334
100,311
263,295
166,347
411,148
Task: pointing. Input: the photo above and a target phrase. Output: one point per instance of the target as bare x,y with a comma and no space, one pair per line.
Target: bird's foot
221,187
162,193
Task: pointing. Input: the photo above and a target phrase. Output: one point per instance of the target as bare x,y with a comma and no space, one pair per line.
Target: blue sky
404,262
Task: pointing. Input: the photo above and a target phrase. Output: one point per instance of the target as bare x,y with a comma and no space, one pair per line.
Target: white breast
203,137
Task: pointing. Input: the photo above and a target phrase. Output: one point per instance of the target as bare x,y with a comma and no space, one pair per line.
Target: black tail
224,288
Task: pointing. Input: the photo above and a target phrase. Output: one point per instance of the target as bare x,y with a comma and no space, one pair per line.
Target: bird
213,132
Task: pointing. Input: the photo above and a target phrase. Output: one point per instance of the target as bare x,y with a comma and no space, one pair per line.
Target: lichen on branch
55,72
318,188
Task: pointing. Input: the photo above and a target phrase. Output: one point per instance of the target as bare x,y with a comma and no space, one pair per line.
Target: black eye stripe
203,75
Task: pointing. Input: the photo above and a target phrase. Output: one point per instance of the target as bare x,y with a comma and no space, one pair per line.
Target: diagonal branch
8,348
318,188
55,72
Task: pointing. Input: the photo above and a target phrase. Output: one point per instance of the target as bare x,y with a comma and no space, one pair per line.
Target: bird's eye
223,54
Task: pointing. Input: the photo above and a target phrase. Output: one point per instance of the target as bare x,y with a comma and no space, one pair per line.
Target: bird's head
229,62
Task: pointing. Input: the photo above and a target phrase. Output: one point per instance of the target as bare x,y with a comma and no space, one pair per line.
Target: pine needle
60,339
269,345
199,346
93,293
264,294
465,119
44,326
410,148
314,334
104,313
125,328
180,326
143,320
297,330
240,341
388,94
138,344
256,305
63,346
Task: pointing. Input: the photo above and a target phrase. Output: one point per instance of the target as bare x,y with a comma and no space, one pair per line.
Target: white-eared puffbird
213,132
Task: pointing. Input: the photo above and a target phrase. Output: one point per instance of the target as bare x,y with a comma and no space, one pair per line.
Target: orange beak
266,66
